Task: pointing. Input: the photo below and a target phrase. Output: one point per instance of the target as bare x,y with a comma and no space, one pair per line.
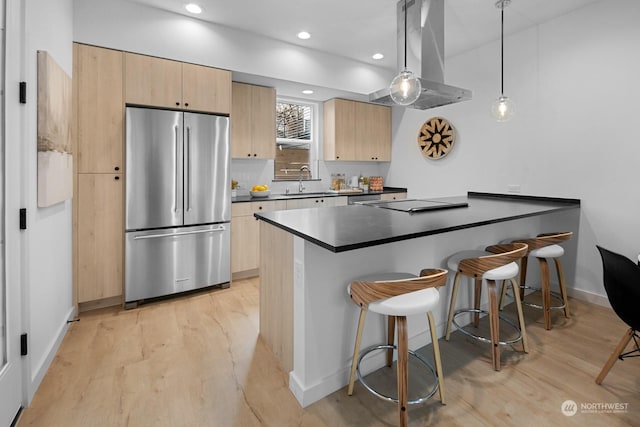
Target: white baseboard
580,294
590,297
40,371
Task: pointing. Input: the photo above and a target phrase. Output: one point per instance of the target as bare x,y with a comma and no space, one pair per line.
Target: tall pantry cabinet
99,207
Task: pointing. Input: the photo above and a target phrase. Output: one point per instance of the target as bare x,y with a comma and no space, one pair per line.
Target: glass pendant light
502,108
405,87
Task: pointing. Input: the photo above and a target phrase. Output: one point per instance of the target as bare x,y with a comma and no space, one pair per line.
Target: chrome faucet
303,168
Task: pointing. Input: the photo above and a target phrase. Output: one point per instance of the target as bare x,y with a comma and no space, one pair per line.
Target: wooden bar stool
398,295
543,247
497,262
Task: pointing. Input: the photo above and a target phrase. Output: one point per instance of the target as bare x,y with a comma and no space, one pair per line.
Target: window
295,136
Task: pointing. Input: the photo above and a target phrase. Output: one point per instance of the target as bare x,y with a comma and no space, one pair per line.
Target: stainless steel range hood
425,55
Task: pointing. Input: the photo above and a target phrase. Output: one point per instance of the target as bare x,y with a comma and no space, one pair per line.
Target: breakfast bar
309,256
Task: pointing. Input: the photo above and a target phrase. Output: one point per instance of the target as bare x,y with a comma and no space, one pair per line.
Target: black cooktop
415,205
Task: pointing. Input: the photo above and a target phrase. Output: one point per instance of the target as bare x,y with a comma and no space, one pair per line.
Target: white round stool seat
503,272
407,304
551,251
500,273
417,302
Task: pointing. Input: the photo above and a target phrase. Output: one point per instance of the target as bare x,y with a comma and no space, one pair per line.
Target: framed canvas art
55,159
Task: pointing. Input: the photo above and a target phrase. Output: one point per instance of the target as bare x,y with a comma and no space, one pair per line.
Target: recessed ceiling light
377,56
303,35
193,8
307,91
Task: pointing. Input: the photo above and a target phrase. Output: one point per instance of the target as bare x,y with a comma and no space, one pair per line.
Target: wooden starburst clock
436,138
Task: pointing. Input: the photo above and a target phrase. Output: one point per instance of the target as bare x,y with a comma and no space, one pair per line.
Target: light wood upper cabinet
165,83
356,131
206,88
100,236
100,117
339,130
241,143
253,121
373,132
152,81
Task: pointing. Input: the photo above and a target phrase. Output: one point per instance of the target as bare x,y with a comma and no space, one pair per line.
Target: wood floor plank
197,360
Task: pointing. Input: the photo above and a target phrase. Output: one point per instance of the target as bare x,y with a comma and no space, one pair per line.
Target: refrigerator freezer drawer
164,262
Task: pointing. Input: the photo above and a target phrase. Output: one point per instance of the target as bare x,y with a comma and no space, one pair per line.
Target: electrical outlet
513,188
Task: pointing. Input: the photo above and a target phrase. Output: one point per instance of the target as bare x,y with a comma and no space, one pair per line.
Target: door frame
13,127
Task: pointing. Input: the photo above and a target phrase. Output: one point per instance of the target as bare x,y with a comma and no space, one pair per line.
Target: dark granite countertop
248,198
345,228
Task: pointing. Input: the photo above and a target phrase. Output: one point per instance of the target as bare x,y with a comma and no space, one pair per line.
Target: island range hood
425,55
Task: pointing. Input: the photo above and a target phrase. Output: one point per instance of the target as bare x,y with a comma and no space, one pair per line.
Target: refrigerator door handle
188,189
183,233
175,178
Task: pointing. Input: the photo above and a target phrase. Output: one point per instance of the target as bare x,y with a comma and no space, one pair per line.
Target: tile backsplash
249,172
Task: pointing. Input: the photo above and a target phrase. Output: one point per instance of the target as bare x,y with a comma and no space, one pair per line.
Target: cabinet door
381,127
241,120
339,130
263,122
245,233
328,202
206,89
245,243
98,74
393,196
372,132
339,201
253,121
315,202
100,236
153,81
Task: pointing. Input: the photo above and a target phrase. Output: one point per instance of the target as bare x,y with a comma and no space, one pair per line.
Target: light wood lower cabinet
317,202
245,235
245,229
393,196
100,236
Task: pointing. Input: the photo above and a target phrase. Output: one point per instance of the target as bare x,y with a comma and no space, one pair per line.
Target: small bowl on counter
260,194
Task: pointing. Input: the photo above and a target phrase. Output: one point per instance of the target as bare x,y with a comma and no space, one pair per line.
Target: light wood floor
197,361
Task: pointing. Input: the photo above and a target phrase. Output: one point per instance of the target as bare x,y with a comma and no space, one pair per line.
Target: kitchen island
308,257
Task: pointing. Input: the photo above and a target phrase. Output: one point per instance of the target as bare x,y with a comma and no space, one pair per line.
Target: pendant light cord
501,51
405,34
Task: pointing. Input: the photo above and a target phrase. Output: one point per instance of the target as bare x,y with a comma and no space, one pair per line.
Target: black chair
622,283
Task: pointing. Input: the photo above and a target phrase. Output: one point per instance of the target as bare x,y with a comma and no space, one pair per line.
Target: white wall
47,266
574,81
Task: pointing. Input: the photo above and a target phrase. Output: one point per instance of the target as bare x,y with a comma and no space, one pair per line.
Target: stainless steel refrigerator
178,202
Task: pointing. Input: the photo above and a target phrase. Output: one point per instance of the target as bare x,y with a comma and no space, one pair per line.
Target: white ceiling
358,28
